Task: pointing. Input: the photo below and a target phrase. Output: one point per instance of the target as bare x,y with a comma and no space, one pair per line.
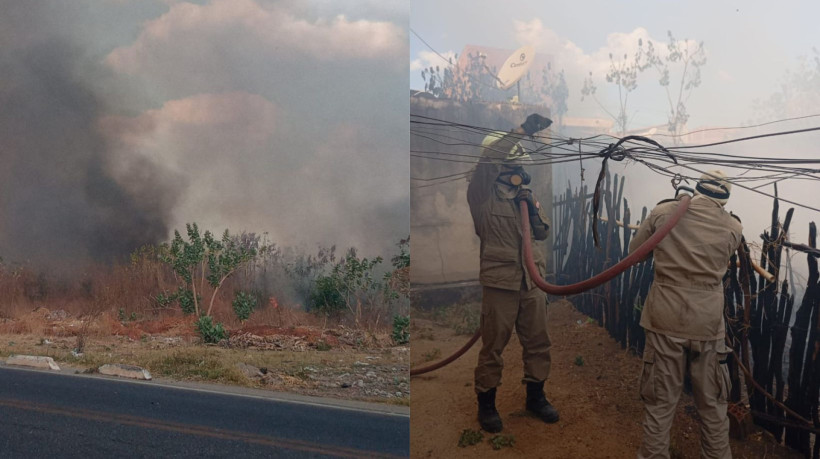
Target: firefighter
683,317
509,298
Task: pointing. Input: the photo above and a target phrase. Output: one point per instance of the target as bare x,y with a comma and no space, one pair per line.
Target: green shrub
470,437
209,331
243,305
501,441
186,300
164,300
401,329
326,297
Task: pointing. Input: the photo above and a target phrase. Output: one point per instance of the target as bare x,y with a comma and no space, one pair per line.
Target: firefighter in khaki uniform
683,318
509,299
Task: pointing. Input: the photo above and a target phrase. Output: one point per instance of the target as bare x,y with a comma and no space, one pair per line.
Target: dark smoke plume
60,205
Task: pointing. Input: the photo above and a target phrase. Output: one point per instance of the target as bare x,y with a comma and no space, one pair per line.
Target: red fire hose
639,254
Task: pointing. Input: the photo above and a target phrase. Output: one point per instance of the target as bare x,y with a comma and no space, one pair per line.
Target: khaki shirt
497,222
686,297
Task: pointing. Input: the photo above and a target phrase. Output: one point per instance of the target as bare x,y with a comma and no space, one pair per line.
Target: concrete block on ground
34,361
125,371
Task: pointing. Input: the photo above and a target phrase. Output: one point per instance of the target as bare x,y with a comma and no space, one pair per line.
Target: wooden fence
764,334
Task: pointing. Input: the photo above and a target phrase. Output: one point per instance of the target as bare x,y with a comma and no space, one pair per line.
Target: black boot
538,404
487,414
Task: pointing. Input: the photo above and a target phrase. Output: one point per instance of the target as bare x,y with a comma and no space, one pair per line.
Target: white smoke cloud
277,118
426,59
239,176
195,33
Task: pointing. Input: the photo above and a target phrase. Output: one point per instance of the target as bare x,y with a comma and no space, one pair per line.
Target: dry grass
128,292
309,372
181,361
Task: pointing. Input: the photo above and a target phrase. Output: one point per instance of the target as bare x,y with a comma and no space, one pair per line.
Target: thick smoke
60,205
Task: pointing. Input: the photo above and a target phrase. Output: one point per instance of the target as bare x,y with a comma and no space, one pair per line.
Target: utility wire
776,167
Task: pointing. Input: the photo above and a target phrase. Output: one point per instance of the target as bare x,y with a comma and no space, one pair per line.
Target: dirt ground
337,362
593,383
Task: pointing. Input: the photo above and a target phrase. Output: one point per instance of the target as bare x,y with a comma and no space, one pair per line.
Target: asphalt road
58,415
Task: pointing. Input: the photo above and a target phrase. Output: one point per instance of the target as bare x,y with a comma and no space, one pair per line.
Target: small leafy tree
355,280
688,57
224,258
798,94
551,90
623,73
200,259
474,82
351,285
554,89
326,298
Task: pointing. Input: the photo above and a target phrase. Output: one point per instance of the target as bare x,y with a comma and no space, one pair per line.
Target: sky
751,47
123,120
749,44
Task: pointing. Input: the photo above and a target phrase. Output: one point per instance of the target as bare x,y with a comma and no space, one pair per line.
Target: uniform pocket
722,377
648,377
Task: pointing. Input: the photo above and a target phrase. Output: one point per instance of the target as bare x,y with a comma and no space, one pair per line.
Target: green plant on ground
501,441
470,437
323,346
164,300
209,331
126,318
243,305
579,360
401,329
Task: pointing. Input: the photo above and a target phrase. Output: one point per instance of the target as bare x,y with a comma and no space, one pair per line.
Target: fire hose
638,255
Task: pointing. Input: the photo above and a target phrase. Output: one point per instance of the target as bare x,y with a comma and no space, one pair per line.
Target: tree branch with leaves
688,57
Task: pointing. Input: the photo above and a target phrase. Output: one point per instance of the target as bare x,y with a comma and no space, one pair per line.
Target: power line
431,48
776,167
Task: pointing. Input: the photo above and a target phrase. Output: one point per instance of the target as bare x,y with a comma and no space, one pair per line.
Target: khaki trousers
664,363
501,310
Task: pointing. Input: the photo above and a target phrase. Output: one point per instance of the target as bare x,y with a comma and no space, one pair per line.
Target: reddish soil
601,412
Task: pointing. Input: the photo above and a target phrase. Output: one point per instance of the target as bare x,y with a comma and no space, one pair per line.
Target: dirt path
592,383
